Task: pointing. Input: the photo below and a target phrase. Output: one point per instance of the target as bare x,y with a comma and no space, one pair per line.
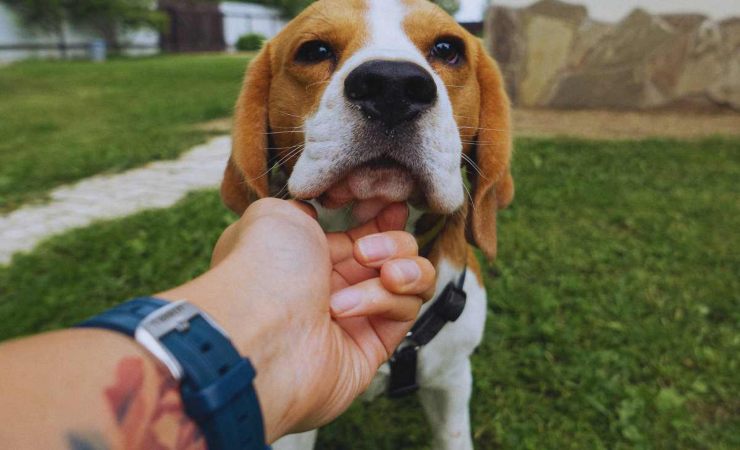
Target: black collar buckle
448,307
403,372
451,303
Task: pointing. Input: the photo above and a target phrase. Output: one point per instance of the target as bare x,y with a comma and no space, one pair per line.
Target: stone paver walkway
156,185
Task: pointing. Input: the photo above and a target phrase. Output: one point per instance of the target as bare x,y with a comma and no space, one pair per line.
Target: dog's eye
449,50
314,52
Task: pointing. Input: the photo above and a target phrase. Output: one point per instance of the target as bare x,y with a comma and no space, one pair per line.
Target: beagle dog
360,103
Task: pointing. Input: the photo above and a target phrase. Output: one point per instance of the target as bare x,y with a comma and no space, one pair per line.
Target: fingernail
406,271
345,300
377,247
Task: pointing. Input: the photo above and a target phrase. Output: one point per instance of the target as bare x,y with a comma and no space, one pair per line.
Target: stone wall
553,55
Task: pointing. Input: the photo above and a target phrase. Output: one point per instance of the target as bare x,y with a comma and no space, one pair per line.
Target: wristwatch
215,381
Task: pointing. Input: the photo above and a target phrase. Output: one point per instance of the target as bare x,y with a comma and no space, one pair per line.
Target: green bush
250,42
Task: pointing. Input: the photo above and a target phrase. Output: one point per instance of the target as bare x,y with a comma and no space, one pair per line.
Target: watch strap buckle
175,317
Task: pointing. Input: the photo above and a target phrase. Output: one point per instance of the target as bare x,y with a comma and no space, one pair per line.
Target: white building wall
244,18
239,19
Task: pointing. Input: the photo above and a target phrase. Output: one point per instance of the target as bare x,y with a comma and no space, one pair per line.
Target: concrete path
156,185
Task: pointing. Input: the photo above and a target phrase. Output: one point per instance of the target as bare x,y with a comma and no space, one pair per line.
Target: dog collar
215,381
447,308
426,238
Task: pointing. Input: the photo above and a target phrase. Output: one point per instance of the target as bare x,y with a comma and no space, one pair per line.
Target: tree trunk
61,36
109,30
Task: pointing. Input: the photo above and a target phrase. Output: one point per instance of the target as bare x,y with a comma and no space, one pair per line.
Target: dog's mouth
371,186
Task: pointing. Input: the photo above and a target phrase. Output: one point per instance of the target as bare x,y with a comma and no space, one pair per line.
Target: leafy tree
109,17
291,8
451,6
45,15
106,17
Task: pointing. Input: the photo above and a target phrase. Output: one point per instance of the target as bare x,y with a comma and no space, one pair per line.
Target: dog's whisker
287,157
286,148
291,115
279,163
481,128
286,128
283,192
460,212
282,132
316,83
482,144
474,165
470,197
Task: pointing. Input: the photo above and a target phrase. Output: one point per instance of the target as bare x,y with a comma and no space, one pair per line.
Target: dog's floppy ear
245,179
492,185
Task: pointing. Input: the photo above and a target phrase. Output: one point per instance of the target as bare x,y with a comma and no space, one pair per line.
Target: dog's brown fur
277,95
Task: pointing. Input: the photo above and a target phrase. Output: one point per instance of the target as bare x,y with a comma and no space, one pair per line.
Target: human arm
97,389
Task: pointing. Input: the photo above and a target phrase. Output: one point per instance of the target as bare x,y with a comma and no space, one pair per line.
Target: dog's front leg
300,441
447,408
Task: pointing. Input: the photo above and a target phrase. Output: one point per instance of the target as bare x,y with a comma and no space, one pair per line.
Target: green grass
63,121
613,313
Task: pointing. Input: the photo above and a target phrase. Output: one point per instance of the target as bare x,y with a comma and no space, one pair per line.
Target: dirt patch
592,124
595,124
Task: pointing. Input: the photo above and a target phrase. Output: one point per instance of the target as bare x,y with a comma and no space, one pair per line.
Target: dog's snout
392,92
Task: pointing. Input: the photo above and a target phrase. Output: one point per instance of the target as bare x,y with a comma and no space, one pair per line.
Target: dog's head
379,100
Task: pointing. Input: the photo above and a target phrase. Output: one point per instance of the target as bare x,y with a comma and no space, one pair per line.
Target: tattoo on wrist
147,414
86,441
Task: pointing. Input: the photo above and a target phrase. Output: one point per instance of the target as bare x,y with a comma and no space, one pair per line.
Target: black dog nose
392,92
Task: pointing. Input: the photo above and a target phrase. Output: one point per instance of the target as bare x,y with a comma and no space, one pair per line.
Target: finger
370,298
360,267
361,331
365,210
351,272
305,207
391,218
390,333
409,276
337,282
340,246
376,249
376,337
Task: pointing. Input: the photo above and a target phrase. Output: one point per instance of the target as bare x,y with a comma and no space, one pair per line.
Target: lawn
613,314
63,121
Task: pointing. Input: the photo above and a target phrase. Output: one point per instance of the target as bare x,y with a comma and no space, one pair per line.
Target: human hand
316,313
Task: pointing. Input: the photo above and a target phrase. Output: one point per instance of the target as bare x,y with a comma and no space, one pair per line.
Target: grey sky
613,10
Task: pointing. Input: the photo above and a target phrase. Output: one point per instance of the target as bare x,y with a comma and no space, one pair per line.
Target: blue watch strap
216,384
125,317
